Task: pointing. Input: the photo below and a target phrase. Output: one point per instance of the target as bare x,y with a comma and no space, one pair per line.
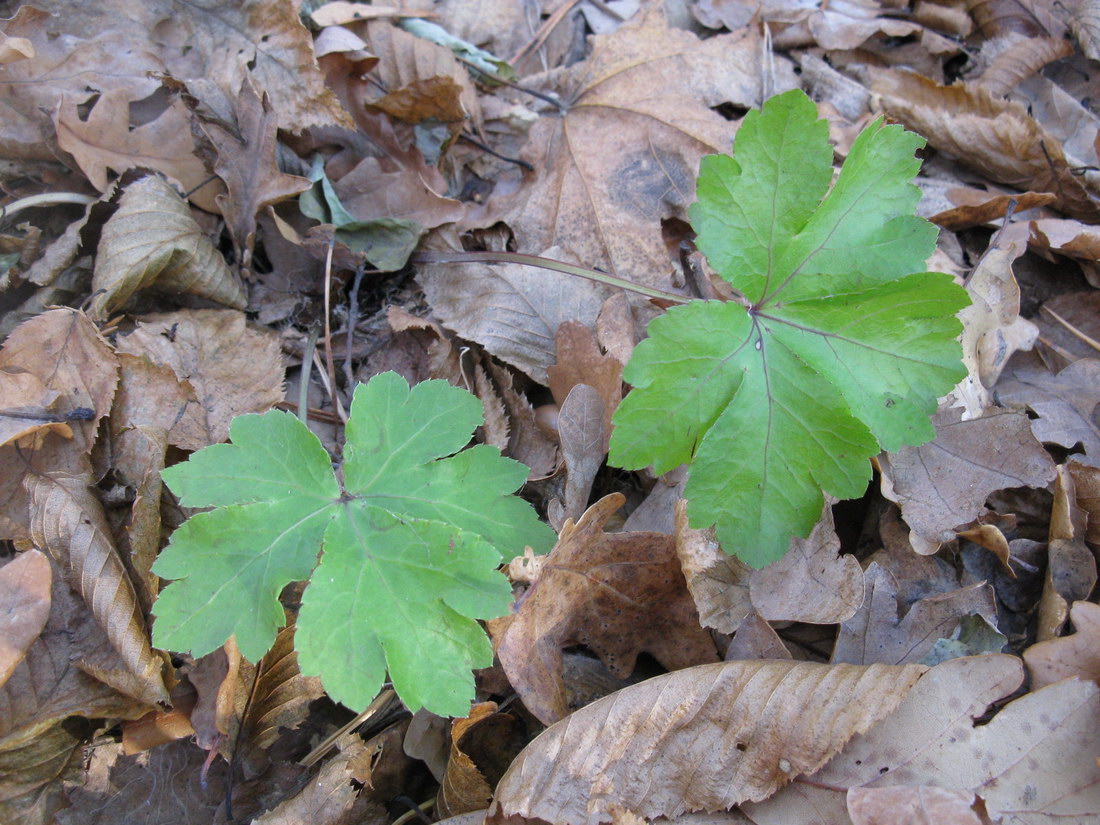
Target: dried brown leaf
1084,22
31,775
1018,57
976,207
1086,483
1034,762
104,140
704,738
619,594
464,788
24,392
1071,565
992,327
944,483
878,633
583,432
68,521
233,368
913,805
718,583
246,163
1065,402
1075,655
24,607
996,137
624,155
580,361
513,311
755,639
1069,329
153,241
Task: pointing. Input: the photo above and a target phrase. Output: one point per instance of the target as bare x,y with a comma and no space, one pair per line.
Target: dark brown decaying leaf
247,165
24,607
618,594
944,483
704,738
153,241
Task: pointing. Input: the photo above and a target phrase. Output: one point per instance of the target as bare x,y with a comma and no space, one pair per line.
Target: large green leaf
838,345
411,545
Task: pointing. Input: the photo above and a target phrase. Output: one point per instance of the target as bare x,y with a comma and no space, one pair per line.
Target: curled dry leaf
24,607
68,521
152,241
945,483
619,594
1075,655
1071,566
705,738
996,137
464,788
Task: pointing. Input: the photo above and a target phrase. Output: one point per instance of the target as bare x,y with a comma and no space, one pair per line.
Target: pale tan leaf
1035,762
812,583
232,367
719,583
911,805
1086,483
618,594
1075,655
704,738
104,140
944,483
24,607
755,639
877,633
152,241
65,351
992,327
996,137
68,521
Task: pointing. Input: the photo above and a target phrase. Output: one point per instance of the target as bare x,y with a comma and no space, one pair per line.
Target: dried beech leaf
464,788
68,521
152,241
24,607
704,738
619,594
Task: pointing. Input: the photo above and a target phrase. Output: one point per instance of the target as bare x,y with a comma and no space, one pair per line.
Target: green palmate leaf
840,346
411,545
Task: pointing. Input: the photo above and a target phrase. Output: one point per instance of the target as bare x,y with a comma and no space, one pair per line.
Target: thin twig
486,148
330,364
544,30
544,263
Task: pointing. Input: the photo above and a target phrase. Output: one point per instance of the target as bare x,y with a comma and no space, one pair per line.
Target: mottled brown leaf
619,594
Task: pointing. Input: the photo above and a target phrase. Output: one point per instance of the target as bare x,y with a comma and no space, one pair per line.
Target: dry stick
544,263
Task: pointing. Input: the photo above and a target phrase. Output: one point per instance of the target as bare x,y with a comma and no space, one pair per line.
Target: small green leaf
411,545
839,346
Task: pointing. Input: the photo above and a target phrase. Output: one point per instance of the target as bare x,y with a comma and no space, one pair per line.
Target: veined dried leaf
152,240
24,607
31,771
1019,58
704,738
68,521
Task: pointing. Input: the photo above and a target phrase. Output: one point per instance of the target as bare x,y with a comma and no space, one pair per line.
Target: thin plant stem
545,263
